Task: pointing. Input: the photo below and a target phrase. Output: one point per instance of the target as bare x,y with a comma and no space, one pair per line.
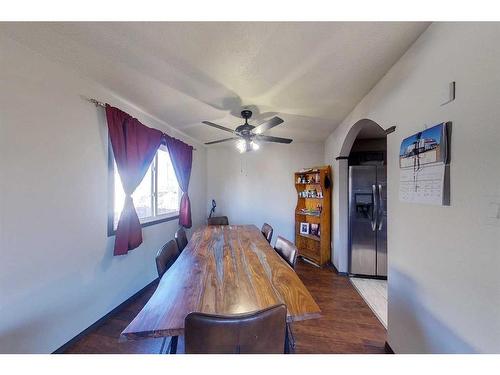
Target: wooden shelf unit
316,249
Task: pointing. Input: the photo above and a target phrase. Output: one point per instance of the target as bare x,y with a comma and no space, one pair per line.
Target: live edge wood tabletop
224,269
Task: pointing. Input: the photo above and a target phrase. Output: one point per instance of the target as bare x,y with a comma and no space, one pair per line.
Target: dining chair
181,239
267,231
289,252
258,332
218,220
286,250
165,257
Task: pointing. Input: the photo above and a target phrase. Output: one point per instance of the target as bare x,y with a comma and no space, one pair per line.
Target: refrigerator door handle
375,208
380,214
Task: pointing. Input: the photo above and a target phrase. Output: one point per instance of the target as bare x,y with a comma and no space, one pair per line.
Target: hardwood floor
374,292
347,324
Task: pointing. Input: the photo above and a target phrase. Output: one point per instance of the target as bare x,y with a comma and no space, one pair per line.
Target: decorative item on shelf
316,178
327,182
304,228
310,212
314,229
310,194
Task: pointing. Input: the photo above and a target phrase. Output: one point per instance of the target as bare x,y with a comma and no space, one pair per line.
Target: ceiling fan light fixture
247,133
241,145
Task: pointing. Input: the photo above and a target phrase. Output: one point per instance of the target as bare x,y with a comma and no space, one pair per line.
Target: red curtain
181,155
134,147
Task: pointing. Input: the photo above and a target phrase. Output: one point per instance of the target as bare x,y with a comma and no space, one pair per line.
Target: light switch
494,210
448,93
491,210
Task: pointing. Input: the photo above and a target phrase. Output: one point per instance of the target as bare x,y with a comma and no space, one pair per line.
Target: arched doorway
361,128
362,212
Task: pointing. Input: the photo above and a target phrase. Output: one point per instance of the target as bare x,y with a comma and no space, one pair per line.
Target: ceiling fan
248,135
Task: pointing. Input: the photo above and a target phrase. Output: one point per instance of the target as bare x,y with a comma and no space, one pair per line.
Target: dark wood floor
347,324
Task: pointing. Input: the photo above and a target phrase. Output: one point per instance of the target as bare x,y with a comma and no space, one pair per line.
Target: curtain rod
97,103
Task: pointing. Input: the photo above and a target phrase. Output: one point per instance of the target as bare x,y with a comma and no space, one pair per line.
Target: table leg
163,345
289,340
173,344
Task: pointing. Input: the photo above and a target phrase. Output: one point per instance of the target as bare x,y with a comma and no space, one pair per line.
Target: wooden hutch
314,192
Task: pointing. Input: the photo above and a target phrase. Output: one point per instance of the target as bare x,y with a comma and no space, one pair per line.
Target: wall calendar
424,169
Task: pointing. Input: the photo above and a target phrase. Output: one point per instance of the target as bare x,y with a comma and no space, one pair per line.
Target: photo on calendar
428,146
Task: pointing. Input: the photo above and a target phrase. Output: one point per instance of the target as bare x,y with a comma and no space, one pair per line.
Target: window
157,197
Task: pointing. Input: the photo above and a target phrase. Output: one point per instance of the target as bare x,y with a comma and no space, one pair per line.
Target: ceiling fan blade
218,126
261,128
221,140
268,138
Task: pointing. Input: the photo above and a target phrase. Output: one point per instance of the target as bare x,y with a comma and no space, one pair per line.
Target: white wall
57,271
258,187
444,262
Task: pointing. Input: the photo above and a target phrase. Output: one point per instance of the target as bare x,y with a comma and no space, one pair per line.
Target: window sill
151,221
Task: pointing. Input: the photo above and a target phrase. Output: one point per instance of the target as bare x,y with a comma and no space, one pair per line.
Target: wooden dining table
224,269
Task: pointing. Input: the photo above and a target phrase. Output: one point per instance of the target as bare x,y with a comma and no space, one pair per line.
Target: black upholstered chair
289,252
259,332
181,239
286,250
166,256
218,220
267,231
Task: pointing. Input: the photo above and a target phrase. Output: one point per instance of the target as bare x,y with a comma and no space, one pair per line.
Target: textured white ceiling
310,74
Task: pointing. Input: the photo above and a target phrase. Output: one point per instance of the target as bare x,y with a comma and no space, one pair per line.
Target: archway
363,215
365,128
370,129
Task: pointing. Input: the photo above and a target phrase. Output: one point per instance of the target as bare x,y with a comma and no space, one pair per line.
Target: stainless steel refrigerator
368,220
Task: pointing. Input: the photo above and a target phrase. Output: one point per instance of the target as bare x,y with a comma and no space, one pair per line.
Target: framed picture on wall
304,228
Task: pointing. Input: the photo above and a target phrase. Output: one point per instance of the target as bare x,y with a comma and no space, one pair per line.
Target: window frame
111,197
